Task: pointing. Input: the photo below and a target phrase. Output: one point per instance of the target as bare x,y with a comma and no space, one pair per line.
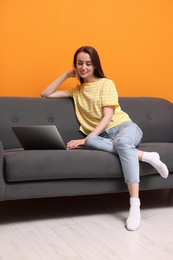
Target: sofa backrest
153,115
37,111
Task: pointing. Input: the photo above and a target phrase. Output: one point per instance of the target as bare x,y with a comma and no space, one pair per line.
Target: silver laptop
39,137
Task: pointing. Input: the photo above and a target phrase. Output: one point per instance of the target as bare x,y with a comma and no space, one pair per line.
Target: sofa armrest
2,180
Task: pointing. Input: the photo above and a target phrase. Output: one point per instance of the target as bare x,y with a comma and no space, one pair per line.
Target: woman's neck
90,80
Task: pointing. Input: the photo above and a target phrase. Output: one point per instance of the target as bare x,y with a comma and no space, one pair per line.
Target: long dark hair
98,72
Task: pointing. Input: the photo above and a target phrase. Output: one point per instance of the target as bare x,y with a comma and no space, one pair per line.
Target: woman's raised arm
50,91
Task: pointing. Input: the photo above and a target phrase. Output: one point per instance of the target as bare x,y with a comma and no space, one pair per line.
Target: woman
105,125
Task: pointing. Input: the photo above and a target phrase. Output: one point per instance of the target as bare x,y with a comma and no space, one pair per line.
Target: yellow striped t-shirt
90,98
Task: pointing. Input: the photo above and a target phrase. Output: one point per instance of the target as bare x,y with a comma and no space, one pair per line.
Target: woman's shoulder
108,82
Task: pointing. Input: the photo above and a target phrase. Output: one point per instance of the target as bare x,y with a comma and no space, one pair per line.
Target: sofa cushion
31,165
60,164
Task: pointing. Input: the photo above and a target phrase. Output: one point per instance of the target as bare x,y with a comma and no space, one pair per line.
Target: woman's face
84,67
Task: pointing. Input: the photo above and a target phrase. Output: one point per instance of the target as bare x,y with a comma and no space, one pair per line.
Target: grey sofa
53,173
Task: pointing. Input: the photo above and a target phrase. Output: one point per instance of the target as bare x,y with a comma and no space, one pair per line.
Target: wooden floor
87,228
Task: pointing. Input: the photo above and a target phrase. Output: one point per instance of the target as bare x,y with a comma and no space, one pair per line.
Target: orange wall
134,39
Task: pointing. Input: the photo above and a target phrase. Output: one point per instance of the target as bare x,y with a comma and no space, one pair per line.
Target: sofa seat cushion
35,165
60,164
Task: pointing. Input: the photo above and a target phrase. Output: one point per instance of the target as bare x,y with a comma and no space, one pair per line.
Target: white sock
133,220
153,158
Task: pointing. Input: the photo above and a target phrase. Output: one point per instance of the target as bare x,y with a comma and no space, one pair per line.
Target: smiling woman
105,126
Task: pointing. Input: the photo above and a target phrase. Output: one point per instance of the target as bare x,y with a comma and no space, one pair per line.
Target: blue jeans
122,140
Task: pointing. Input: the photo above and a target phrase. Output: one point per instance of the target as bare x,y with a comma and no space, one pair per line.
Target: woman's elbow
43,95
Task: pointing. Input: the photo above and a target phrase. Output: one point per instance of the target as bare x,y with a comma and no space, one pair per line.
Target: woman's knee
123,142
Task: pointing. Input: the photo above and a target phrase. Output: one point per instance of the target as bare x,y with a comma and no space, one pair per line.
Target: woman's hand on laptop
75,143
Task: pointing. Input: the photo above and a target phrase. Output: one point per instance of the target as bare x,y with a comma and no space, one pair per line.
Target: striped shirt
90,98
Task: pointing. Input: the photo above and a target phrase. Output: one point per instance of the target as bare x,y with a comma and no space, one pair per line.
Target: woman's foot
133,220
153,158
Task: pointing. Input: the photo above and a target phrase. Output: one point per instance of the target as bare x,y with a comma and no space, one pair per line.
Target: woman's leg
125,141
153,158
134,217
127,138
96,142
130,169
